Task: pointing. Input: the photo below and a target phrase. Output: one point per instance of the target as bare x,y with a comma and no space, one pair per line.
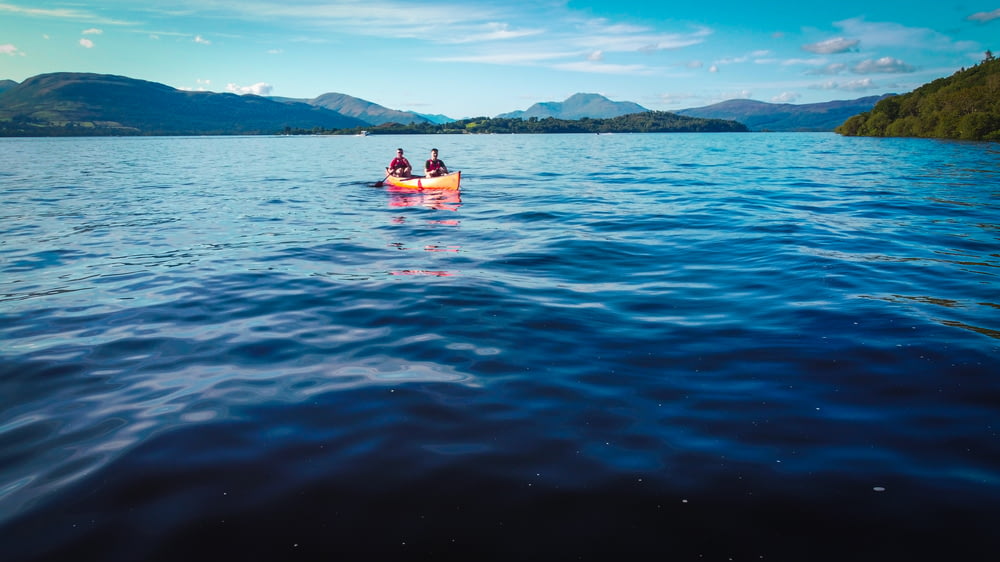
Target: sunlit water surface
690,347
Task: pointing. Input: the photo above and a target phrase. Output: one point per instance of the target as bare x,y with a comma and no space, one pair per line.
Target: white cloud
602,68
854,85
201,40
815,61
258,89
785,97
275,51
828,70
983,17
695,64
511,58
601,25
201,86
755,56
889,34
442,21
862,84
492,31
60,13
713,68
87,43
882,65
9,49
832,46
733,60
93,31
576,45
627,38
366,11
502,33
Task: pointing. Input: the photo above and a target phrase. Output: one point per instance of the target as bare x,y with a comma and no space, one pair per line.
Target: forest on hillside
645,122
963,106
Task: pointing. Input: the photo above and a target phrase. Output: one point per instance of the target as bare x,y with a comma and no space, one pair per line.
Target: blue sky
466,59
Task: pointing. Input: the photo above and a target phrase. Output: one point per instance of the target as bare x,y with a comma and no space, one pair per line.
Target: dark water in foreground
657,347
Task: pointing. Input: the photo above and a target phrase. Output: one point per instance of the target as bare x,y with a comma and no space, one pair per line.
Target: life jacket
432,165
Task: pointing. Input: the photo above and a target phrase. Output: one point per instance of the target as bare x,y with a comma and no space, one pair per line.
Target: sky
471,58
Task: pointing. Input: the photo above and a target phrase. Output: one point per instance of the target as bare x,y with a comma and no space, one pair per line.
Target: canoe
449,181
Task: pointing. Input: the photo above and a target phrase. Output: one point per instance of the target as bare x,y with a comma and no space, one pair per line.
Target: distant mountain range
578,106
756,115
761,116
371,113
88,104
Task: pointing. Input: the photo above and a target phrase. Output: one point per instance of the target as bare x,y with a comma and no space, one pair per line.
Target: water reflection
440,199
422,272
436,199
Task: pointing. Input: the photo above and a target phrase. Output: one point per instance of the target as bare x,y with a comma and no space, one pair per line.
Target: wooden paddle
381,182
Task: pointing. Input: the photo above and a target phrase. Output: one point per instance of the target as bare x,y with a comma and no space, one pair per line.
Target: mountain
761,116
6,85
372,113
87,104
437,118
965,105
578,106
369,112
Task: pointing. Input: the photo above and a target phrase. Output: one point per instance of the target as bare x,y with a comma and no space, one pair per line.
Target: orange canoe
449,181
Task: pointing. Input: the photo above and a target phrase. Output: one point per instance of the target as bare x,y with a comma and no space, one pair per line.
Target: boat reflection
422,272
440,199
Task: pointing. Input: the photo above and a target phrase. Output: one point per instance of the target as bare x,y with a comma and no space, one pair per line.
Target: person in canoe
400,166
434,167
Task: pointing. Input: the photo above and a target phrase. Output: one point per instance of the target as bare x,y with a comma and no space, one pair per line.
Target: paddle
381,182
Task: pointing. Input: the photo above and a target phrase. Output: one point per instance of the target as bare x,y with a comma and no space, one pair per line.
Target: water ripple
724,346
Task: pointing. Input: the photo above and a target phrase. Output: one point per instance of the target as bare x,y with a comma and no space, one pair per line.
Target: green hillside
965,105
62,104
645,122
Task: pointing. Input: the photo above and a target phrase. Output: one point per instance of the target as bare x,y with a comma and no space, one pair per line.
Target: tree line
963,106
645,122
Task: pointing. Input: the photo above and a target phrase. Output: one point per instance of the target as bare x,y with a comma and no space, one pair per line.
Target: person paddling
400,166
434,167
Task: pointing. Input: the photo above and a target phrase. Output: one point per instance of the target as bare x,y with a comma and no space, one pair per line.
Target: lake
628,346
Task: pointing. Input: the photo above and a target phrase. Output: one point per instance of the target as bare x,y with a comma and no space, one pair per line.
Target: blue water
670,347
